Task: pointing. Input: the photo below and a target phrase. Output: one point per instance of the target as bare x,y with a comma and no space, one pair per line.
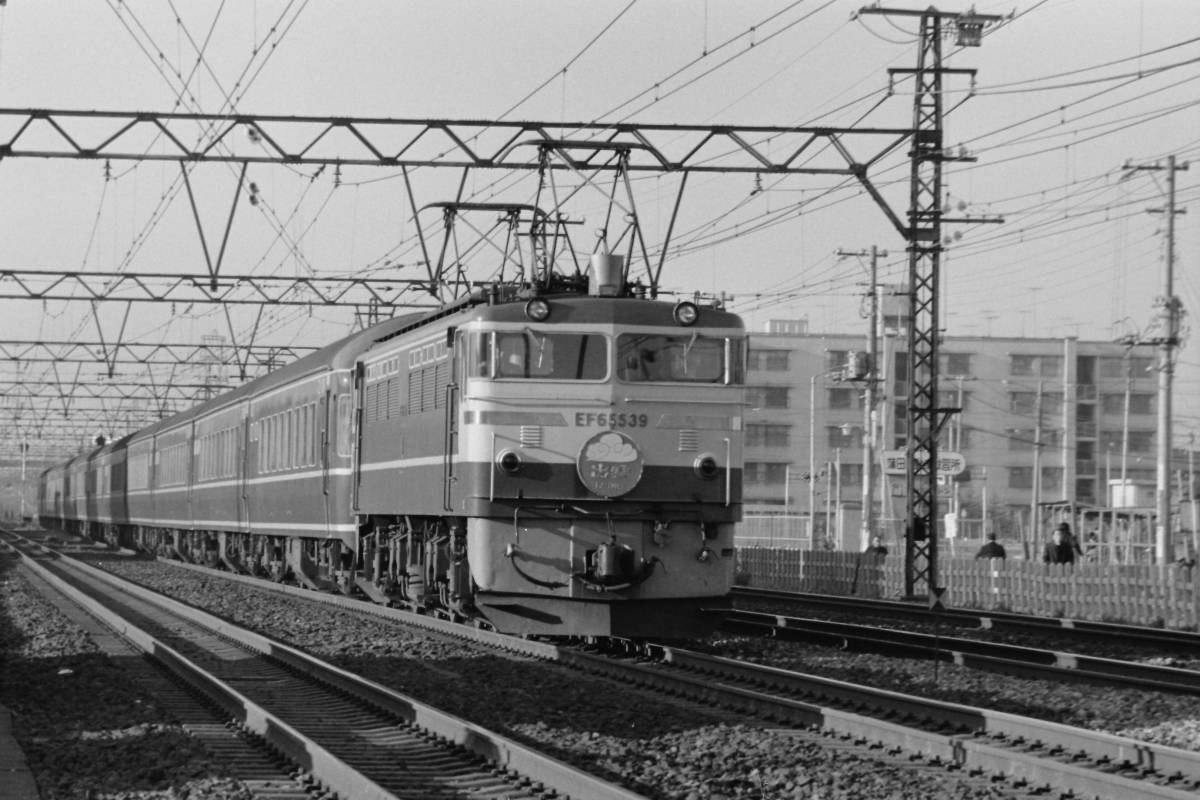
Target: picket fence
1138,594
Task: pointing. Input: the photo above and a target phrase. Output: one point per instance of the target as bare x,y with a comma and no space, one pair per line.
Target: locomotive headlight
706,467
537,309
686,313
509,462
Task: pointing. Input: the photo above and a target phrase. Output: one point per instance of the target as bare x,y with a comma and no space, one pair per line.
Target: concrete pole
24,450
837,494
812,458
871,399
1164,545
1191,493
1035,517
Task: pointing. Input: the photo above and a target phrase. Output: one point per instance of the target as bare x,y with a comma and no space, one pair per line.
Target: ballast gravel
86,729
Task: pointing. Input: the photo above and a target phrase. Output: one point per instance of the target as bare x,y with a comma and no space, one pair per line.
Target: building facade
1042,422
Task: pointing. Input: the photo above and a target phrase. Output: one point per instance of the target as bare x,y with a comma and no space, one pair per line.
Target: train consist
562,461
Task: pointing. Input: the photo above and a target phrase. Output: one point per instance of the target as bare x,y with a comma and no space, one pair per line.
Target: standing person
1060,549
1071,539
991,548
877,547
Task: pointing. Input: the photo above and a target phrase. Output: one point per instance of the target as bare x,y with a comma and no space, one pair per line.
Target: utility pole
1170,309
1191,494
24,452
1035,511
870,395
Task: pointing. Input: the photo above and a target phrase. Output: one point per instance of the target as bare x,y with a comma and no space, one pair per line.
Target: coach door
244,464
450,422
360,389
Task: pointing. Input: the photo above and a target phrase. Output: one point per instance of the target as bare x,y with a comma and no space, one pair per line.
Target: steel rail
993,742
994,656
337,775
986,620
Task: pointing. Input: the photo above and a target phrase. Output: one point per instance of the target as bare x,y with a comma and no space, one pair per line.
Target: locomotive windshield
682,358
532,354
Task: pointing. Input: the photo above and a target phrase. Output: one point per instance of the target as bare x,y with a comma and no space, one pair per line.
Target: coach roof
338,355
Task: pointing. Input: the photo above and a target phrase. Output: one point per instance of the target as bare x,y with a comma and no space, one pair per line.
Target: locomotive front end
599,462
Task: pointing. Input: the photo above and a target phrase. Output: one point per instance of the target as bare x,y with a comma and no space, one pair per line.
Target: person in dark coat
1061,547
877,547
991,548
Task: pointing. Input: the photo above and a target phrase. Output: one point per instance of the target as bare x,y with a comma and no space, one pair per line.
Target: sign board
895,462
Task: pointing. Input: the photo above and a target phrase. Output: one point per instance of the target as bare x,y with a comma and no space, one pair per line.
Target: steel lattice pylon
923,233
924,261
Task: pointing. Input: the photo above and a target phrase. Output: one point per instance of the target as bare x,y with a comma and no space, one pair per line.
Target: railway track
1032,754
1010,659
1108,632
262,771
348,736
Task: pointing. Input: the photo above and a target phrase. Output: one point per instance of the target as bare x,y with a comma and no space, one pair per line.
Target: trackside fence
1139,594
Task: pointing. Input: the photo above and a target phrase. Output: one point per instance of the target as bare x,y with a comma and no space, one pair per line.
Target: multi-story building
1042,421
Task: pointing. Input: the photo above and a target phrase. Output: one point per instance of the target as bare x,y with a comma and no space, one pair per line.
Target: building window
956,364
767,396
900,420
1025,403
851,474
1139,403
1131,367
1035,366
762,434
846,436
765,472
1050,366
842,398
1052,478
948,398
836,359
1022,365
1019,439
1020,477
769,360
1139,441
954,438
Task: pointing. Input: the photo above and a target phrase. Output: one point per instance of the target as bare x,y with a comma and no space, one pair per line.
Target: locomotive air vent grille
531,436
689,440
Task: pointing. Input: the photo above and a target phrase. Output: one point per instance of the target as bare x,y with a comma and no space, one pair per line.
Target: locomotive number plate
610,419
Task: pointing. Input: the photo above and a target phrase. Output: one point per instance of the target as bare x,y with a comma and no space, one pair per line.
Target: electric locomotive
566,462
551,459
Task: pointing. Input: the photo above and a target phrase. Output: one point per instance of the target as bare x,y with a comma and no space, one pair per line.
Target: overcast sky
1066,93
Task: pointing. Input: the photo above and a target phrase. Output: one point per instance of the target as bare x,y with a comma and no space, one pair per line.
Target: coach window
291,438
305,434
344,427
669,358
